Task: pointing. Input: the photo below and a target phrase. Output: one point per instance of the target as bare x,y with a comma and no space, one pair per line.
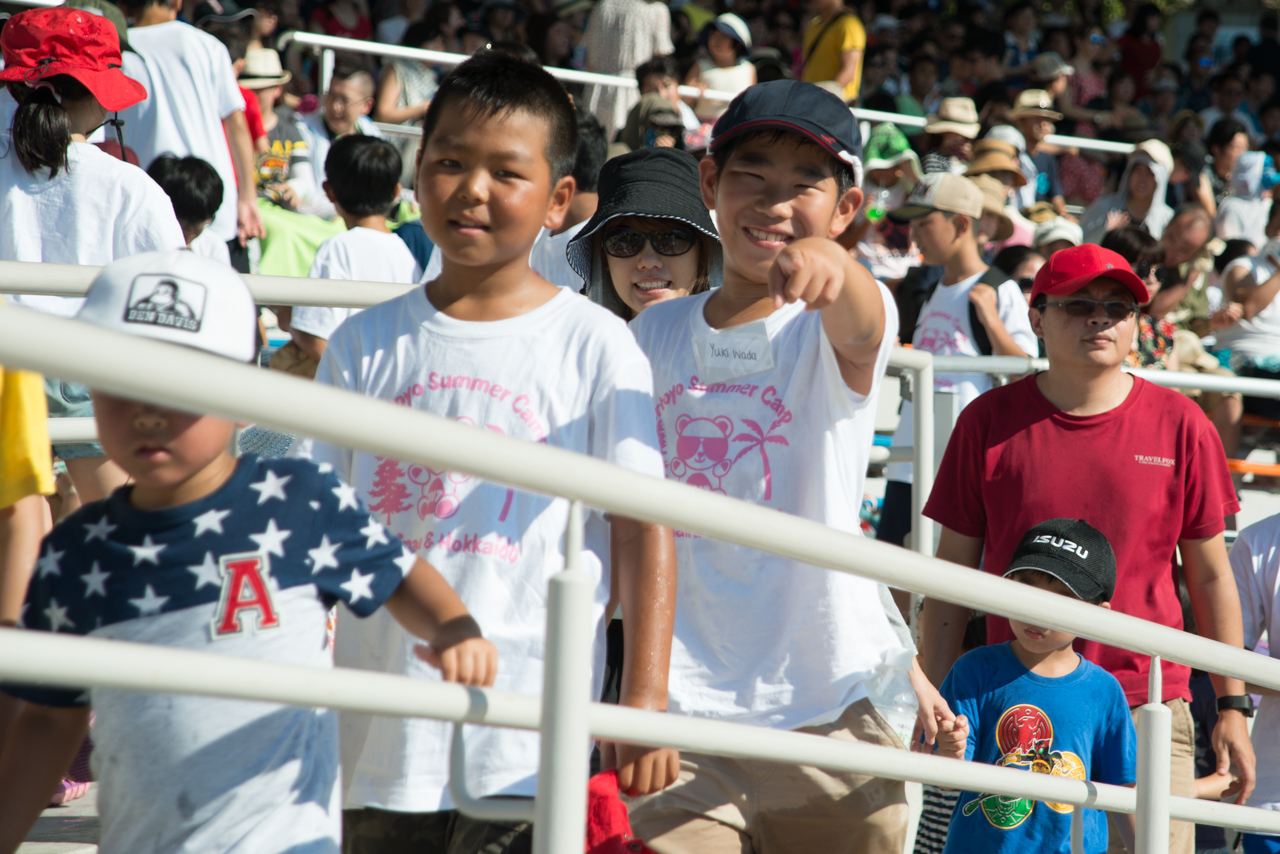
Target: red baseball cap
1069,270
41,43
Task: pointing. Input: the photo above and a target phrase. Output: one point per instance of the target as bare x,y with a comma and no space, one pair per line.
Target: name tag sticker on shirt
737,352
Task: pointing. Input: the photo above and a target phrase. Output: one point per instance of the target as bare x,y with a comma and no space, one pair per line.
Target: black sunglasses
1086,307
1026,284
627,242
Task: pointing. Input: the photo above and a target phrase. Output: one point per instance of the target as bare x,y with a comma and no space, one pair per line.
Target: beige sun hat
1035,102
995,155
994,195
262,69
955,115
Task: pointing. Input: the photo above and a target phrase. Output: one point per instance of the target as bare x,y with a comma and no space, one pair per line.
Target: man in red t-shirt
1141,463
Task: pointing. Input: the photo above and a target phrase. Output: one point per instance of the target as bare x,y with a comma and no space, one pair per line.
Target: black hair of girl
41,130
610,299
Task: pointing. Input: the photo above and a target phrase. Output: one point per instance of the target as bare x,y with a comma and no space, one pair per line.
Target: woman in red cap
65,201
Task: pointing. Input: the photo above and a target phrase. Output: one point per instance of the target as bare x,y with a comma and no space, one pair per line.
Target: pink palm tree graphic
758,439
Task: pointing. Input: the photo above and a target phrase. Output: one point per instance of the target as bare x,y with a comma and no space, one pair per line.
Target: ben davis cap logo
165,300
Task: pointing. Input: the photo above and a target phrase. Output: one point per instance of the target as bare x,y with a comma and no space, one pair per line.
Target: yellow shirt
25,464
826,60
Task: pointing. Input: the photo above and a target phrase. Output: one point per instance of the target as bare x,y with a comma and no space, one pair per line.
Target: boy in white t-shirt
363,184
945,212
494,345
193,106
766,391
1255,560
194,188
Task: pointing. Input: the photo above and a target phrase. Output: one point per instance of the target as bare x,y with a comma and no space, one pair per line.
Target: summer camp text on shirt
758,638
567,374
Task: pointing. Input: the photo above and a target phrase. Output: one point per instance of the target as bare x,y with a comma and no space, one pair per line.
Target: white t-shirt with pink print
760,412
567,374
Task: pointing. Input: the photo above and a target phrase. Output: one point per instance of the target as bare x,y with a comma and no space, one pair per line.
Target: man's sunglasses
1097,39
1086,307
627,242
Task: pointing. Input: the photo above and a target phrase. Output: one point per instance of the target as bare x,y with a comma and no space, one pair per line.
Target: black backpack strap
995,277
911,294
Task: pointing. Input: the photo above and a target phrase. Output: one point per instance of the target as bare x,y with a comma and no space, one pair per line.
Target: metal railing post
561,815
922,462
1155,733
326,70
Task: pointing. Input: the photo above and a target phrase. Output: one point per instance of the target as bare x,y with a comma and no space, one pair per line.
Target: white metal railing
161,373
327,45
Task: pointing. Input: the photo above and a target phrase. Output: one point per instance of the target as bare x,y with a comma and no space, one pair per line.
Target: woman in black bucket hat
651,238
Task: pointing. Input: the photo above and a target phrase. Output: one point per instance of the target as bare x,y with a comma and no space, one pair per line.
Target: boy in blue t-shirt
1034,703
242,557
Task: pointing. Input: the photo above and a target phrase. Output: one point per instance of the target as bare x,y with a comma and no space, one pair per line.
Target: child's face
484,184
160,449
649,277
1035,639
773,192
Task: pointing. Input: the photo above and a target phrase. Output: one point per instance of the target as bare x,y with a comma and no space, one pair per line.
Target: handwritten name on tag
740,351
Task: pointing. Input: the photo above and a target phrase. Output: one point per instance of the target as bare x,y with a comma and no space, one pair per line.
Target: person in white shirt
944,211
64,201
196,192
363,184
491,344
193,107
766,391
1255,561
344,110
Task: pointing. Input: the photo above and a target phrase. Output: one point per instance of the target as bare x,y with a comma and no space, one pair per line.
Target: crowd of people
703,287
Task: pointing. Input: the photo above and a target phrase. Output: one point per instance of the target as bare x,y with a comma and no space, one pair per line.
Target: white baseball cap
1058,228
176,296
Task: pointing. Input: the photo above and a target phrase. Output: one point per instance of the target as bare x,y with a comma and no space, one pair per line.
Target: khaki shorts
744,806
1182,779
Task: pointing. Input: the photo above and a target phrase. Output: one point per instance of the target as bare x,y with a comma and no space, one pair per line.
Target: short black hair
593,150
493,83
362,172
1207,15
234,39
658,66
843,172
419,33
519,50
1134,244
1222,132
133,7
882,101
192,185
347,70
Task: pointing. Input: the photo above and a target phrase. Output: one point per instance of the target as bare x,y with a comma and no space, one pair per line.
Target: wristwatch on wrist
1242,703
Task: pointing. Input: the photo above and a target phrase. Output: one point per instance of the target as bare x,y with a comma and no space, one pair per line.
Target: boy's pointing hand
811,270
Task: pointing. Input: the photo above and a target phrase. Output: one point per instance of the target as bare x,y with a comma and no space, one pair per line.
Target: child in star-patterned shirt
240,557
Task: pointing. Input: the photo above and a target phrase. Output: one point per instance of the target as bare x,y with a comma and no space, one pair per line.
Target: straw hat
994,194
262,69
994,155
955,115
1035,102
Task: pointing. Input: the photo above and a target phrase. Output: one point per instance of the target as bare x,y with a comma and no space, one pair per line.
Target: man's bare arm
942,624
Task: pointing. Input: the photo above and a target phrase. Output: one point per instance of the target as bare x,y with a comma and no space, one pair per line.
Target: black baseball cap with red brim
802,108
1069,270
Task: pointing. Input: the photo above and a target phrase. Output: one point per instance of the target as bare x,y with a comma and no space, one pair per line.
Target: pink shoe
68,790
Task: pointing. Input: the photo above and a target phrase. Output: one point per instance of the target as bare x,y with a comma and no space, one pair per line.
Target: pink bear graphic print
439,489
702,451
